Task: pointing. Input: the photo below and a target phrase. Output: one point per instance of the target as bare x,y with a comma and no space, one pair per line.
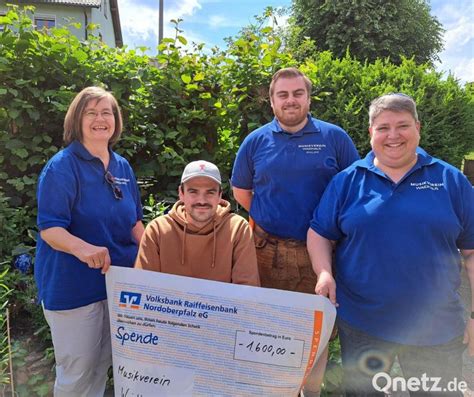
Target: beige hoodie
222,250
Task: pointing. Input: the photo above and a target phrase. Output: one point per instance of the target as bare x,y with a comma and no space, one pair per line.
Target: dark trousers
365,357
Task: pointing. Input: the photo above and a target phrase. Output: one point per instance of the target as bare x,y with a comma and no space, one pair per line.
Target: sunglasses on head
115,188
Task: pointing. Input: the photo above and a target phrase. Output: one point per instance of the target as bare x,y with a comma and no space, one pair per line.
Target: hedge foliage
191,102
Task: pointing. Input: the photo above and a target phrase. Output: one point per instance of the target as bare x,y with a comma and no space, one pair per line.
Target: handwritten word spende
136,337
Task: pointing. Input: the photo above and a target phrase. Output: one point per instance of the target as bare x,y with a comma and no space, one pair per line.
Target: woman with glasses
400,221
89,217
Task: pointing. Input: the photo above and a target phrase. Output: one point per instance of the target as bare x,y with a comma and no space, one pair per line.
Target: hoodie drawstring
184,243
213,244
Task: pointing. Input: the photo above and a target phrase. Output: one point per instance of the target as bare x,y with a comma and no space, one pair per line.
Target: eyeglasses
111,181
92,114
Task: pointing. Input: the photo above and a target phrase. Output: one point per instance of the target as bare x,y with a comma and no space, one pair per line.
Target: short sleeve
56,193
466,238
325,220
243,170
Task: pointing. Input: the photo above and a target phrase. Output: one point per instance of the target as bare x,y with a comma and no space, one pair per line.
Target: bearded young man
279,176
200,237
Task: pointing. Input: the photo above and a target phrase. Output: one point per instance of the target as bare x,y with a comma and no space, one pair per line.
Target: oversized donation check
181,336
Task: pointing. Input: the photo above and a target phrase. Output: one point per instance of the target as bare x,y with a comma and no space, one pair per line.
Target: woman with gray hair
399,220
89,217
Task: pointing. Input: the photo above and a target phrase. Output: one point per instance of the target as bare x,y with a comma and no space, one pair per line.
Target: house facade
50,13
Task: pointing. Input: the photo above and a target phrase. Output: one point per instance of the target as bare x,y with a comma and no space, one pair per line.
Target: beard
291,116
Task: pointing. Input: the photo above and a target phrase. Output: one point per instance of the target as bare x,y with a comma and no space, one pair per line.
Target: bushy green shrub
344,88
153,209
16,288
192,103
4,349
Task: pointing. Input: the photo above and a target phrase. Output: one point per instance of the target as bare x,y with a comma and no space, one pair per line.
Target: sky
210,21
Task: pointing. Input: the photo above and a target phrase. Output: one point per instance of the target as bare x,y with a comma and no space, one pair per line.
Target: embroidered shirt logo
121,181
312,148
427,185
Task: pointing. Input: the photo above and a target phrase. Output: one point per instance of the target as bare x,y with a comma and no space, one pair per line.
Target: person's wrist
324,273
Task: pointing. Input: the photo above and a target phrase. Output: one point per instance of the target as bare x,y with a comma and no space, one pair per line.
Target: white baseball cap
201,168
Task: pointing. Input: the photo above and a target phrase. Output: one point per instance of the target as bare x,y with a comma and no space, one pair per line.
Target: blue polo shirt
289,172
397,258
73,194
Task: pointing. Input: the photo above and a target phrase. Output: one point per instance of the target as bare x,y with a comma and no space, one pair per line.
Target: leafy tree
369,29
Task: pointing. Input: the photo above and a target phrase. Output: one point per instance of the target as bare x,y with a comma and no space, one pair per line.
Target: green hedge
185,104
193,103
344,89
196,102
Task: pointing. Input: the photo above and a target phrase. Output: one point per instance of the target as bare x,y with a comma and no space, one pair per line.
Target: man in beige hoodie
200,237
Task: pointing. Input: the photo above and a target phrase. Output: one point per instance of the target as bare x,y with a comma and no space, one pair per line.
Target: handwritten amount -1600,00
264,348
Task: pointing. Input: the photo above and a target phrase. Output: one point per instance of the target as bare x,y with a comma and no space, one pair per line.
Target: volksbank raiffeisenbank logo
130,300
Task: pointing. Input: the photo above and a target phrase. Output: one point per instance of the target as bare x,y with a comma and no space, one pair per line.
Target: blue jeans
365,356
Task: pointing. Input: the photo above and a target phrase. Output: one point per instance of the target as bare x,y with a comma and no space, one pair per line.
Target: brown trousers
283,263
